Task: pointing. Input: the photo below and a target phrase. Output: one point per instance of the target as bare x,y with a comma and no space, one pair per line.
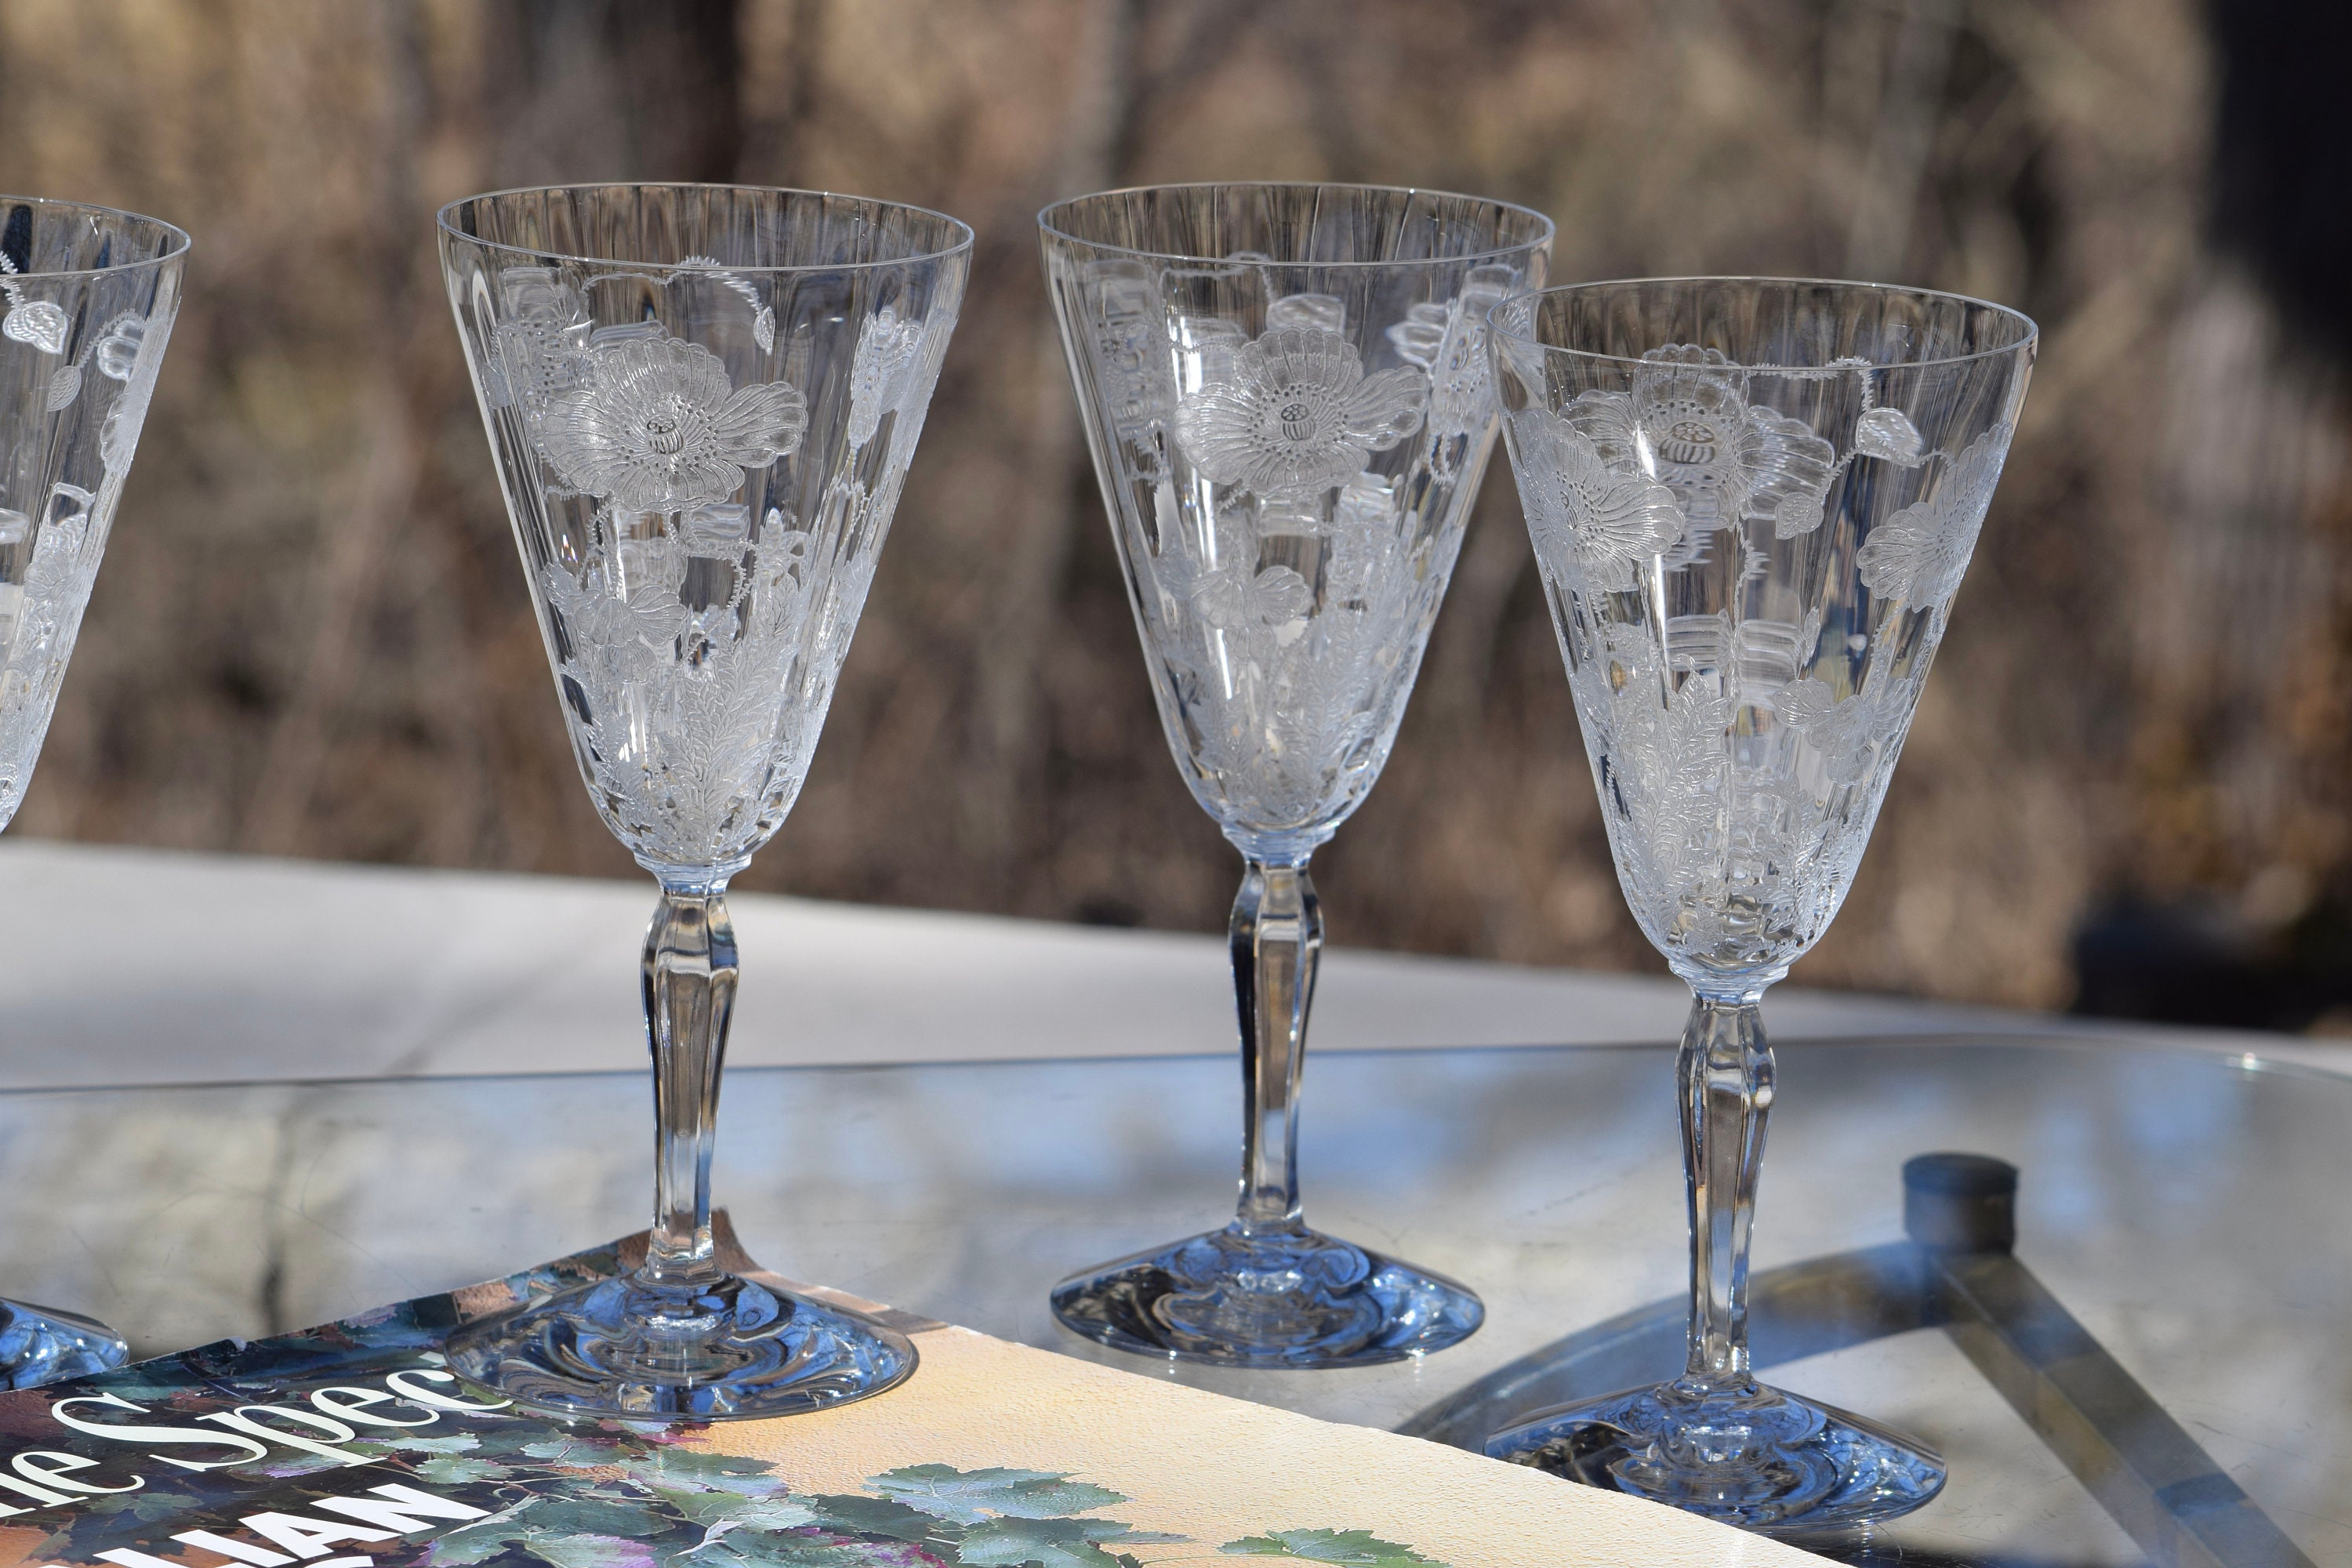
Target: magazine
350,1445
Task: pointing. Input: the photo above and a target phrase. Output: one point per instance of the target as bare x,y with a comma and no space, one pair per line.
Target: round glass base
41,1344
1287,1297
1752,1457
716,1350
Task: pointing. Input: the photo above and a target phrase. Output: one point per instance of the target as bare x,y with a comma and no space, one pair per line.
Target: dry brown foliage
311,636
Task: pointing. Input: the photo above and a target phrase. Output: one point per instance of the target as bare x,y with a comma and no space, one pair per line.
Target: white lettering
307,1537
398,1383
122,1434
242,1419
29,1465
350,1405
409,1510
42,1496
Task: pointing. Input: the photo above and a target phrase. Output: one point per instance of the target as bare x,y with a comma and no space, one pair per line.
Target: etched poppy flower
657,427
1595,526
1688,423
887,346
1918,555
1295,411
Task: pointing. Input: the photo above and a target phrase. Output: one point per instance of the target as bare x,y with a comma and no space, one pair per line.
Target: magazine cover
349,1446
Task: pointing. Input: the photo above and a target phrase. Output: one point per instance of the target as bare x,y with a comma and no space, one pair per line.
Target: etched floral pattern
41,612
1284,581
1448,340
1297,412
1918,555
1590,523
695,622
887,348
1687,422
1741,758
658,427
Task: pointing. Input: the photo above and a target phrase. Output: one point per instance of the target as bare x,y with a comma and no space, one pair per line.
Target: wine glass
1287,395
702,400
87,295
1751,502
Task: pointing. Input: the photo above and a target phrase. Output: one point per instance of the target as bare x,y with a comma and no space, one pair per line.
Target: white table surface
137,966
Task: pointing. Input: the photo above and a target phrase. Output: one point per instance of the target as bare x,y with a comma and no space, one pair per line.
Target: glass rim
1046,214
961,230
177,243
2033,335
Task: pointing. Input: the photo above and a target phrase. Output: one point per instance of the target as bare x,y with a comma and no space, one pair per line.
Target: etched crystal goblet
1287,395
703,401
87,295
1751,502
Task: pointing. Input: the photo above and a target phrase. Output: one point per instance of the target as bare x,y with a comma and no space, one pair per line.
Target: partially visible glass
1285,391
1751,502
87,295
703,401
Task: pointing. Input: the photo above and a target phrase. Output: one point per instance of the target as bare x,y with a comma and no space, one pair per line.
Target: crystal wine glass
703,401
1751,502
1287,395
87,295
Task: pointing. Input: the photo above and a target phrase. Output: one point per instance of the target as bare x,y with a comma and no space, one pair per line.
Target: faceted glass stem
1715,1441
1724,1071
1276,937
1265,1290
689,975
679,1335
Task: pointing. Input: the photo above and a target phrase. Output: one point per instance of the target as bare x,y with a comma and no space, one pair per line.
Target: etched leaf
36,322
1888,434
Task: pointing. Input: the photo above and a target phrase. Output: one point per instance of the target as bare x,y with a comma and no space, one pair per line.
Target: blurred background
2127,790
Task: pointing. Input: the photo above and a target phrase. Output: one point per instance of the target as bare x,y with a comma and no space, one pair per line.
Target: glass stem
689,990
1725,1074
1276,935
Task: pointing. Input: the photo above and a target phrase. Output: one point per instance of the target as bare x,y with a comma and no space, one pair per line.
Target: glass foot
712,1350
1289,1299
1756,1457
42,1345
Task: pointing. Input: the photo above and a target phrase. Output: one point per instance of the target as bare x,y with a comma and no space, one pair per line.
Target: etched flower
1222,582
1295,411
1131,342
1687,422
657,427
1851,733
1888,434
887,344
1234,595
131,353
1449,341
1918,555
1595,526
